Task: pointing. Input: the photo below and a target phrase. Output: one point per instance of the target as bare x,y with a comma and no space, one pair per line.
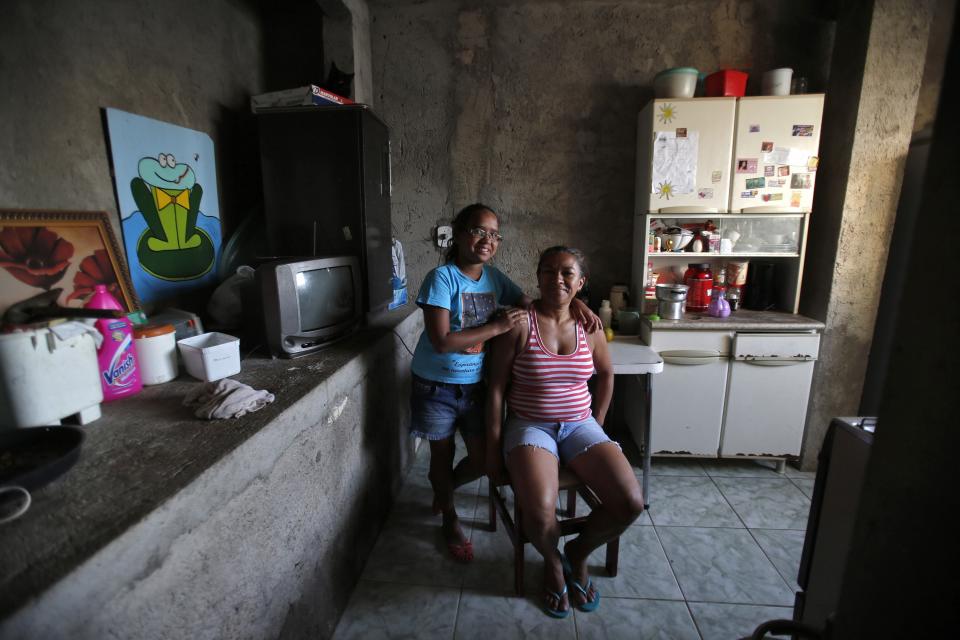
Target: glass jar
699,279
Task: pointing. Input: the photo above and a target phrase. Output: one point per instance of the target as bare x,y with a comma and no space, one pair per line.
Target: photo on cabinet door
799,181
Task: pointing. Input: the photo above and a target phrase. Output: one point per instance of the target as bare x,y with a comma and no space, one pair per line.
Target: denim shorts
565,440
438,408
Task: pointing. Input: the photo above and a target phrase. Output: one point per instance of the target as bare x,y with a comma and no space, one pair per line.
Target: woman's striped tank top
548,387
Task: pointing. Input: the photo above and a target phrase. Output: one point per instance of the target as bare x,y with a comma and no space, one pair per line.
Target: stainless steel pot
671,299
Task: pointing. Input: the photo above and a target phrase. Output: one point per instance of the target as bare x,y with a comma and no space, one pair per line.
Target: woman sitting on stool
552,419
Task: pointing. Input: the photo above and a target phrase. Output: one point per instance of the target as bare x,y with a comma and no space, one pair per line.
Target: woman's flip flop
588,604
556,613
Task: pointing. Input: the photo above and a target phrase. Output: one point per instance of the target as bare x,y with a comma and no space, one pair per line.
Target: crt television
308,303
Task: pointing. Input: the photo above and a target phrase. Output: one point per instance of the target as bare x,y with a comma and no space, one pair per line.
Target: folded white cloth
226,398
66,330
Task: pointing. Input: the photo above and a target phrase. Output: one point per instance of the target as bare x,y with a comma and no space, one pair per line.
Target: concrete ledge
171,526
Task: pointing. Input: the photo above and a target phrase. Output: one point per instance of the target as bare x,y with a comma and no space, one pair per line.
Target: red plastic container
699,279
726,82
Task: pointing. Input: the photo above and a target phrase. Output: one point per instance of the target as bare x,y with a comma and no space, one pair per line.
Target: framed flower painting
68,250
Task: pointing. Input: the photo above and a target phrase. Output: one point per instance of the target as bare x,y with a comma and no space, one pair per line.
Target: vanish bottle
117,356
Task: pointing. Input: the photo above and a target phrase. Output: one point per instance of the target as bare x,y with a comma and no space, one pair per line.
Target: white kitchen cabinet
741,390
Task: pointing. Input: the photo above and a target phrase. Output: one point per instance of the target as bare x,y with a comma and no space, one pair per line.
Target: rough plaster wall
530,106
269,541
362,62
939,42
182,62
870,116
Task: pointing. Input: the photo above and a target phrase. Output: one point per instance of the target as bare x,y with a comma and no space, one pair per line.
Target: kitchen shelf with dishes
674,240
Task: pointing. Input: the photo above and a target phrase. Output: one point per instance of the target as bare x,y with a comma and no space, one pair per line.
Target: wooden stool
571,524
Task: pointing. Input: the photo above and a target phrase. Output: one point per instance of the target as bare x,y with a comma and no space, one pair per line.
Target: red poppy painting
70,250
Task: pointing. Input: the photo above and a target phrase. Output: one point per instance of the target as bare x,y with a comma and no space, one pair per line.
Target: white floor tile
489,616
723,565
730,621
384,610
637,620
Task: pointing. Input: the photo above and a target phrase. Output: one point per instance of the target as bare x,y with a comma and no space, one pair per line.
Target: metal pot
670,300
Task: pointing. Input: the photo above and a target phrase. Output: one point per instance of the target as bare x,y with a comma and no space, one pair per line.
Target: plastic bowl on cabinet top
679,82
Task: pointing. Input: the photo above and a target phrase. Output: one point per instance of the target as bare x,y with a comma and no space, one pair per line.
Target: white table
632,357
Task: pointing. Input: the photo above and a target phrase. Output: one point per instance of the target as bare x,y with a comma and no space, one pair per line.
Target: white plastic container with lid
156,352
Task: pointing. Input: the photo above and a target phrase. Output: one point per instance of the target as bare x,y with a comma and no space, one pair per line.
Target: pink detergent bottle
116,357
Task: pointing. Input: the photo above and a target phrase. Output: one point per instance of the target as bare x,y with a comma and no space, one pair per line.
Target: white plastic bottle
606,313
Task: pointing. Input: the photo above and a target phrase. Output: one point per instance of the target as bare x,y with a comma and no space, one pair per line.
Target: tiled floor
716,555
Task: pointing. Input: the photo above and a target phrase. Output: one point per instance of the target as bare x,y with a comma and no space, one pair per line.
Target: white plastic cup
156,353
726,245
776,82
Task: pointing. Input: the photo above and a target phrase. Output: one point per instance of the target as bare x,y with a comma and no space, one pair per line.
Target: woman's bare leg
535,480
605,469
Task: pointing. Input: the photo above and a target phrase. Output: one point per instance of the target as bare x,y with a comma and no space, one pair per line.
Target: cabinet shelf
773,229
714,256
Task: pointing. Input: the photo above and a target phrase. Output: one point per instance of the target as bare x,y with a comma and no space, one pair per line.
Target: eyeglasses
492,236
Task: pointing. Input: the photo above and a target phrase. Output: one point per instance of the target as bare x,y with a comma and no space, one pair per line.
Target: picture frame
74,250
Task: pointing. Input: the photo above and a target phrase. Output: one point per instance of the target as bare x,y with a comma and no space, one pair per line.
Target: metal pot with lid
670,300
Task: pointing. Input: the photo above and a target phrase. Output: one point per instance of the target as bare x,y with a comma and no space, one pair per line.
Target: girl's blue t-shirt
471,303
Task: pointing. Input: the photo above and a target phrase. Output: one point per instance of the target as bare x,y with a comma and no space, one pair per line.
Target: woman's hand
585,316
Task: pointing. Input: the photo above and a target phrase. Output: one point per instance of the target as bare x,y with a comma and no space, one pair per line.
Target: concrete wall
187,63
866,134
531,105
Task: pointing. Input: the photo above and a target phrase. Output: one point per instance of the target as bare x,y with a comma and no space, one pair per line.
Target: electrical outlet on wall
444,236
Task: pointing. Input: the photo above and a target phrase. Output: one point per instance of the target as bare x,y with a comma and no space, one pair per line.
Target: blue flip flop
588,605
556,613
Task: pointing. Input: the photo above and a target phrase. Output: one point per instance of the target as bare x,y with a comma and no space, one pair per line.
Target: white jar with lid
156,352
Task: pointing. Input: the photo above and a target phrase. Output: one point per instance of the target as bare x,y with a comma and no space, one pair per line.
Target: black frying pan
30,458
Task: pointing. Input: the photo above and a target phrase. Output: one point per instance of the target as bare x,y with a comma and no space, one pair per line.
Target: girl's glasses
478,232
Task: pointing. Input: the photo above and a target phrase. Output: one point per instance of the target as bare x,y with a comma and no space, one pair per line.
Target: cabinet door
688,403
774,160
683,153
769,389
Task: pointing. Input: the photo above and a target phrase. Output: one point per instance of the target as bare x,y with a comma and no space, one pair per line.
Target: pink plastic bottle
117,356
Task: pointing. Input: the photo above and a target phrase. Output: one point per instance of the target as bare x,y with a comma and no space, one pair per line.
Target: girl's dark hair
576,253
461,222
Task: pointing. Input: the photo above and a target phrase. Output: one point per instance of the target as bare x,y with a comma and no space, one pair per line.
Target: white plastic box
44,379
210,356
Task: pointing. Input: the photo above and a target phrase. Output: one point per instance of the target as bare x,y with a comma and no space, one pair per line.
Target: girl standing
460,301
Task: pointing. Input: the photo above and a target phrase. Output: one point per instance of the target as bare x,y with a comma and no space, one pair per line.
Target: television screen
325,296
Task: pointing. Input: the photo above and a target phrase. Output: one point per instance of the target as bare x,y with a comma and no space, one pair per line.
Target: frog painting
169,209
168,196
